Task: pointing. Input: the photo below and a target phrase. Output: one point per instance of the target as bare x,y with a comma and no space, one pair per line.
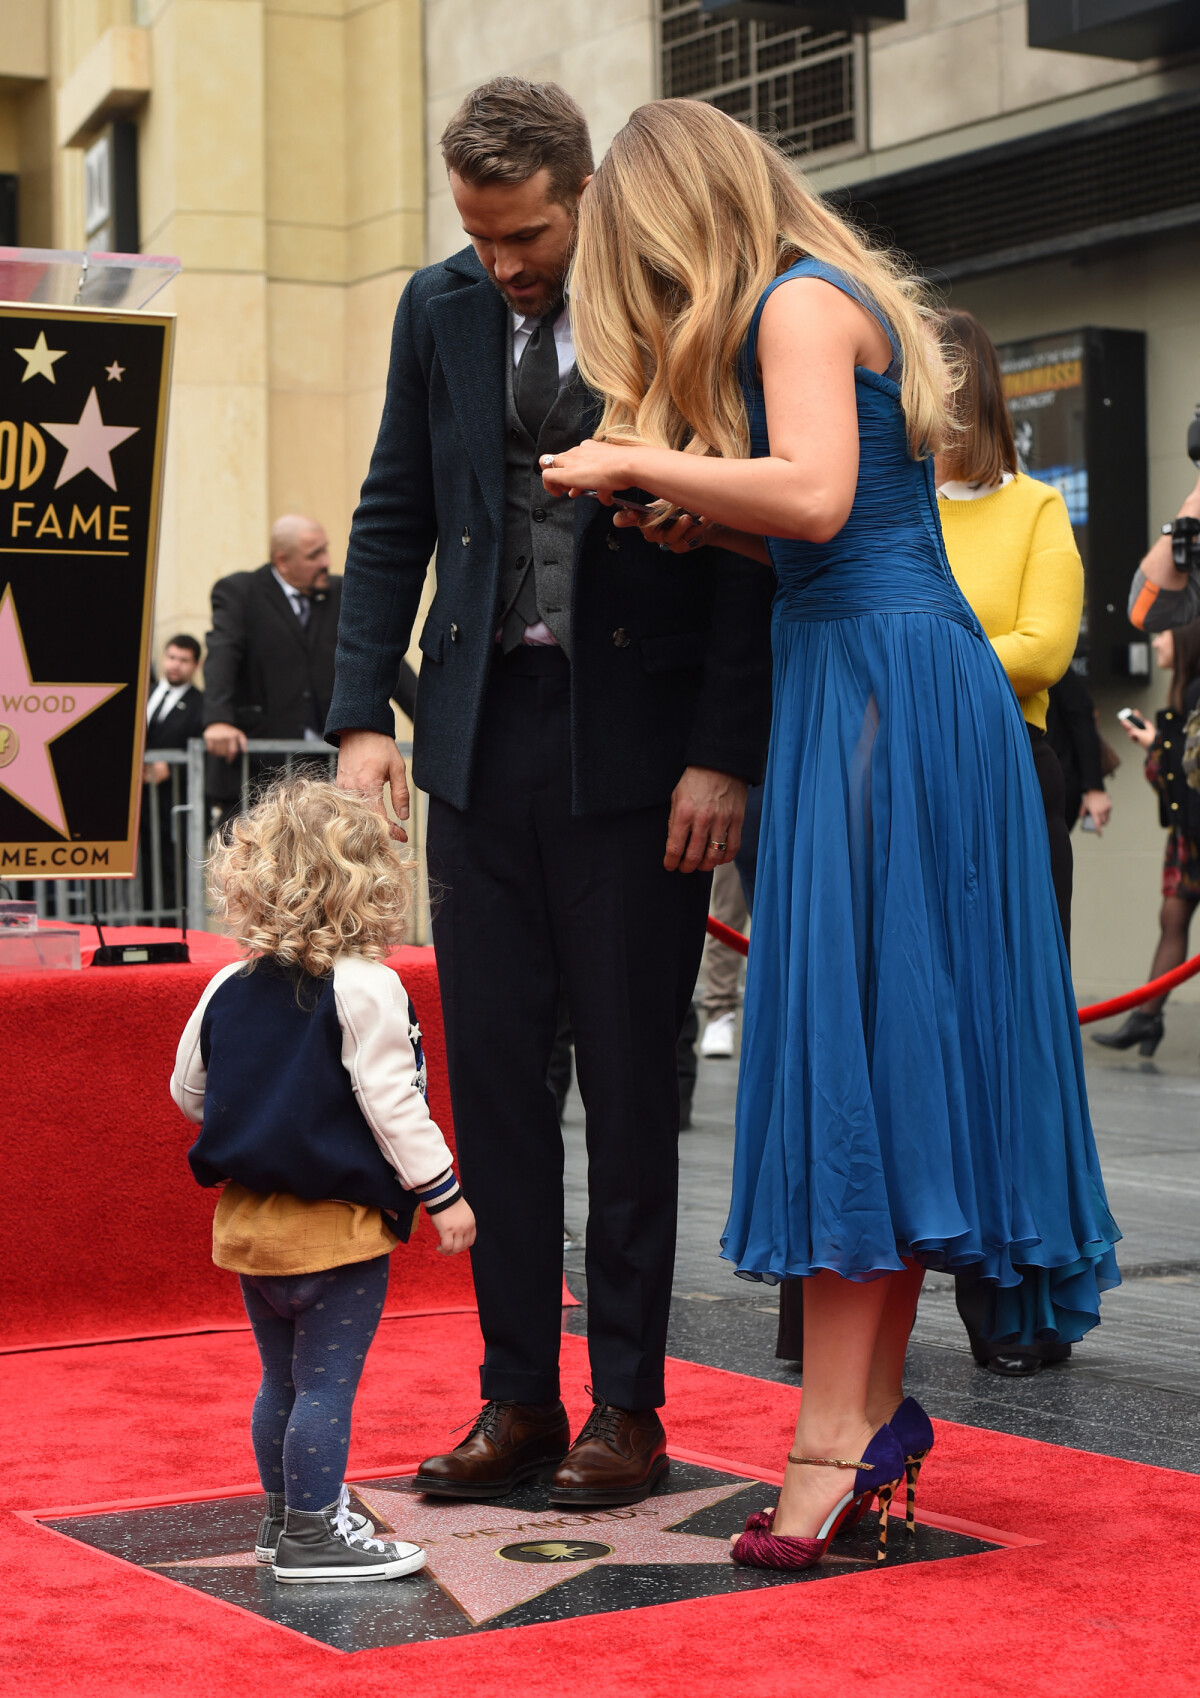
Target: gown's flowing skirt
911,1076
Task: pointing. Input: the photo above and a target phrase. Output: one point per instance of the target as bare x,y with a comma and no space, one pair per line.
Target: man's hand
1158,566
224,740
1096,805
705,828
155,772
367,761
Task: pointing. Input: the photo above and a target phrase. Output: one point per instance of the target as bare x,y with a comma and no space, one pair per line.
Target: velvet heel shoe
877,1475
914,1433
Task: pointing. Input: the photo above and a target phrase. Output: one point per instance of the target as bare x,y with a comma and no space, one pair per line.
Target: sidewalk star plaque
83,408
513,1562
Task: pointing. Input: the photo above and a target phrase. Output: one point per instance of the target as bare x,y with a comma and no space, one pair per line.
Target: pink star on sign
89,444
31,717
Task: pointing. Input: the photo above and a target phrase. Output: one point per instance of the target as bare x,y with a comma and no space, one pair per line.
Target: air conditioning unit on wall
1116,29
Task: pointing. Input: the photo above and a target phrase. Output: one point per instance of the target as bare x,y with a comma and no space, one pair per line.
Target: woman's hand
680,536
594,465
1143,734
1096,806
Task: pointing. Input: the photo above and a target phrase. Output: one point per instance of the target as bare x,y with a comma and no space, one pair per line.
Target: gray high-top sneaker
322,1546
271,1525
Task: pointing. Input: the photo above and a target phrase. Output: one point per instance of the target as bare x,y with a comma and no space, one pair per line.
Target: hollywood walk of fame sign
83,409
490,1566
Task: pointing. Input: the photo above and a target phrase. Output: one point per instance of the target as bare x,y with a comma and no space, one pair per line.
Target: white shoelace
345,1529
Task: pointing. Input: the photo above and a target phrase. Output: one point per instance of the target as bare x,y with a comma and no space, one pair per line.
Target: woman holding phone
1179,812
911,1089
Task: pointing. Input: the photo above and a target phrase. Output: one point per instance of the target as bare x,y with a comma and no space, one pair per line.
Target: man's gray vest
539,529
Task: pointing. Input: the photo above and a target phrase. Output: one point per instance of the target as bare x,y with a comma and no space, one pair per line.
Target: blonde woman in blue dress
911,1090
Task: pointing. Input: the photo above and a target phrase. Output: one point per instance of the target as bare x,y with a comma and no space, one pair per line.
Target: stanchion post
196,833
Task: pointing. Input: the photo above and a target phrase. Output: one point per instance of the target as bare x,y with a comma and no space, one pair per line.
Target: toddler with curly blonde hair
302,1065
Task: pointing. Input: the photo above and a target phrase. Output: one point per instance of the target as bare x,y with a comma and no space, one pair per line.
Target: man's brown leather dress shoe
619,1457
509,1443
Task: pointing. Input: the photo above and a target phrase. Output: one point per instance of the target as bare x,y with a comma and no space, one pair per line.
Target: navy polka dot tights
313,1332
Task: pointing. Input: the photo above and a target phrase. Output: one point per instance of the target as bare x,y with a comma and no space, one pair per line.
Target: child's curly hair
308,873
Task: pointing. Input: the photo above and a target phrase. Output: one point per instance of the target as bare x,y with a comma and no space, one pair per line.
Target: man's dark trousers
527,893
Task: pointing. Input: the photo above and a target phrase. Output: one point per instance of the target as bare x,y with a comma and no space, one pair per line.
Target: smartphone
1087,823
648,507
1130,716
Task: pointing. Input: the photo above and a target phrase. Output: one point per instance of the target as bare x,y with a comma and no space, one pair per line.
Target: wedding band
713,844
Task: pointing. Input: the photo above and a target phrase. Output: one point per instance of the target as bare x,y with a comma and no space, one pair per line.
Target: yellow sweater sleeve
1038,650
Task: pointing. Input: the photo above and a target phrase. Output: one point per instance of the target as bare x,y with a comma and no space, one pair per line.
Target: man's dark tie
535,384
303,610
535,390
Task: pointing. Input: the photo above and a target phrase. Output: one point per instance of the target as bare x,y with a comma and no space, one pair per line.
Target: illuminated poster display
1077,404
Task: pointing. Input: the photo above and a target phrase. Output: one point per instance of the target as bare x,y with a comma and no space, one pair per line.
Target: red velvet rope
1097,1011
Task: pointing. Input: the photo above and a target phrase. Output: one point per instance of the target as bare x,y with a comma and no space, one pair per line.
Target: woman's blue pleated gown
911,1073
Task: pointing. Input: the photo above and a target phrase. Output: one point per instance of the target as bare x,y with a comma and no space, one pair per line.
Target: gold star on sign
115,372
39,360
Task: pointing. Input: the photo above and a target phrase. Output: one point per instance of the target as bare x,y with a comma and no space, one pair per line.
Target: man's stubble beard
555,300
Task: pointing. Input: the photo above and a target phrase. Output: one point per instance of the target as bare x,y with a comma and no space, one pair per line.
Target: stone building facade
287,153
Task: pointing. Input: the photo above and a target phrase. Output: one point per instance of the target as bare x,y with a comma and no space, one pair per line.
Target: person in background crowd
174,715
1179,812
723,967
912,1081
588,718
733,904
1160,597
302,1066
1072,733
270,664
1013,552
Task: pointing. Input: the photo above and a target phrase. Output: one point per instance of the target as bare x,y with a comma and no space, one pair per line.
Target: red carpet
1105,1607
106,1233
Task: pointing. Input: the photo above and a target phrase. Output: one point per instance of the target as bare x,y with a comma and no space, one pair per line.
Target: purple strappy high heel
877,1475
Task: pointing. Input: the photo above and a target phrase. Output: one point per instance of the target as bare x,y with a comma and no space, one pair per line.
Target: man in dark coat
174,715
270,662
589,714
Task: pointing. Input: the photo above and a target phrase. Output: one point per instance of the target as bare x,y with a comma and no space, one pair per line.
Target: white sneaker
717,1042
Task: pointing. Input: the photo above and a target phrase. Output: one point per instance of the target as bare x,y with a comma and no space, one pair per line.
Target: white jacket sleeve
377,1052
188,1079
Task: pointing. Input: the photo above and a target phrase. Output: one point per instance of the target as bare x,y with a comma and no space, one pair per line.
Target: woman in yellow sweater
1011,548
1012,551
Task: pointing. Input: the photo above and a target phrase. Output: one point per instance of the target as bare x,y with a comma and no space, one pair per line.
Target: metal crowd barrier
144,899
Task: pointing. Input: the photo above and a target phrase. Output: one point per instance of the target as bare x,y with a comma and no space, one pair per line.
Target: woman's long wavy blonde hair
309,873
690,216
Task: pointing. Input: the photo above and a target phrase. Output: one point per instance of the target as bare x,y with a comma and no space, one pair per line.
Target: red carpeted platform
106,1234
1103,1606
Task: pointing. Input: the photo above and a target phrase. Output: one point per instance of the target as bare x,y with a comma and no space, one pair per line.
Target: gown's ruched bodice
911,1073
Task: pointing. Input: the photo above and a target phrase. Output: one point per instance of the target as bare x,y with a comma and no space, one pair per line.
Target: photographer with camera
1166,586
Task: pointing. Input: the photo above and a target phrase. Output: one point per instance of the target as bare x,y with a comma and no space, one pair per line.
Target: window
800,85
